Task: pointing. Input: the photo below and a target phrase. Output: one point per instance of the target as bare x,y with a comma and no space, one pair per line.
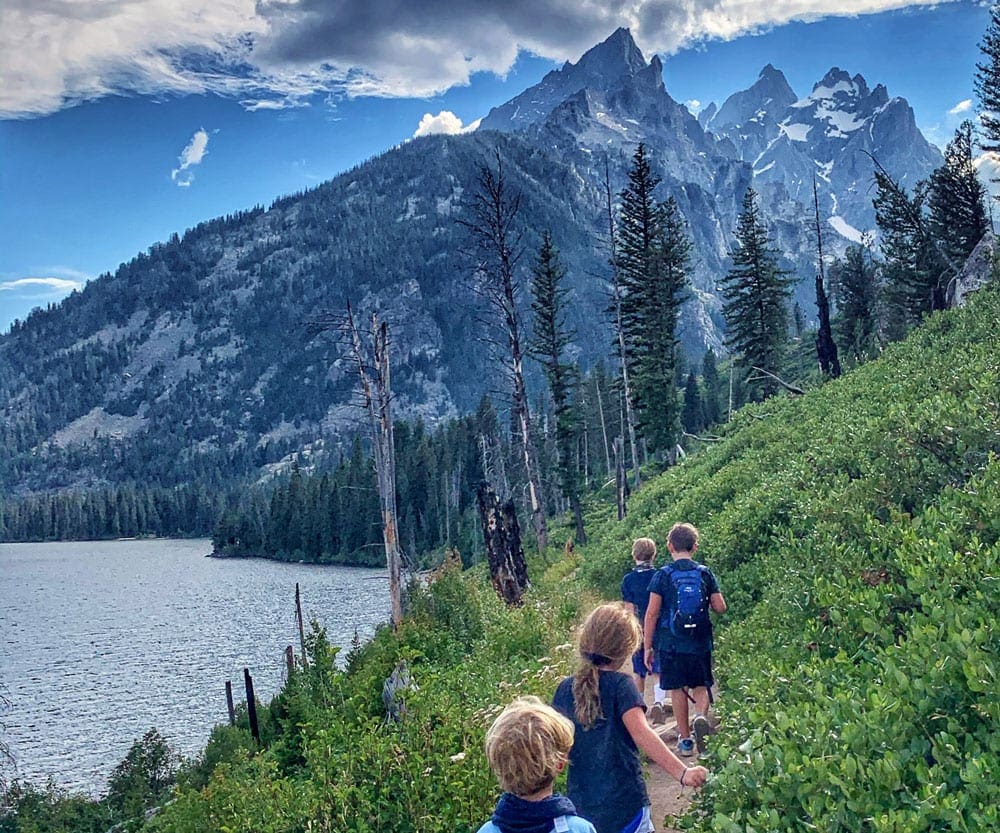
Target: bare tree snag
502,537
826,347
604,427
377,396
621,481
493,226
619,329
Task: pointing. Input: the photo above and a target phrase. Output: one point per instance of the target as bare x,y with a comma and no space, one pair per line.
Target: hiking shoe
701,729
685,747
656,713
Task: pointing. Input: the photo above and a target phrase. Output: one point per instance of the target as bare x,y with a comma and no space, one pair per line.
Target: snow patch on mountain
796,132
845,229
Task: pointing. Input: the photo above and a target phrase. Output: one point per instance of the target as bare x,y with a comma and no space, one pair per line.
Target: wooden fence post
302,629
229,703
251,705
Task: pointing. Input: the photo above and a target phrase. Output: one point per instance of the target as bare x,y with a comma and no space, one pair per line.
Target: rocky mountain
192,362
832,135
616,59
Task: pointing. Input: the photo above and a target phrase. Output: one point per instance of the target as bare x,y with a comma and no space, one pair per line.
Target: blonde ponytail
587,694
609,636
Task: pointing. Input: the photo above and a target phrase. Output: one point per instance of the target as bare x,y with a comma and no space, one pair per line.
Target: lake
99,641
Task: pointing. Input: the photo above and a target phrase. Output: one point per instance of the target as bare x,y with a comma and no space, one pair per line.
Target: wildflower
457,757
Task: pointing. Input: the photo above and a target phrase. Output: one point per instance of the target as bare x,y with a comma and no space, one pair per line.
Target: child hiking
679,628
527,747
635,592
608,713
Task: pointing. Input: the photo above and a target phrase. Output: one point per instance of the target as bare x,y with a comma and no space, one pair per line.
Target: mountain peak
838,83
614,57
767,98
603,67
834,75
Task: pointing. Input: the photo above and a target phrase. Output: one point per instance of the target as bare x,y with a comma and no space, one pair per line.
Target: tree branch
790,388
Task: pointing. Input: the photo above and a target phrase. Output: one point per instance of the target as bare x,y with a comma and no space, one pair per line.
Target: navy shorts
684,670
639,663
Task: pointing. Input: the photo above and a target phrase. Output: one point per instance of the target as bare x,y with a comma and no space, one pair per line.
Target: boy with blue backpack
678,628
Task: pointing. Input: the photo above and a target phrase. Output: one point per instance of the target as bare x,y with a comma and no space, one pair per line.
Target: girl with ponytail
605,772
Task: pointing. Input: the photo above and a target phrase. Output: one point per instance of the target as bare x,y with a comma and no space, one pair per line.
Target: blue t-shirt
605,780
661,584
635,587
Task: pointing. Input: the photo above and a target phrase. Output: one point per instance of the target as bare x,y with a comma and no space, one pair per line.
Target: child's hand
695,776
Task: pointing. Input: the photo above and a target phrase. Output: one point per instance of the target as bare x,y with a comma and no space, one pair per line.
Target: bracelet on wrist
681,779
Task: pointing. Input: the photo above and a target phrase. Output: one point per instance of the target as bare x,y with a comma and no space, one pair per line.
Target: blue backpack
687,615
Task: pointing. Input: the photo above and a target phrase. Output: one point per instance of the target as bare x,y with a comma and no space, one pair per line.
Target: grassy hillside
855,534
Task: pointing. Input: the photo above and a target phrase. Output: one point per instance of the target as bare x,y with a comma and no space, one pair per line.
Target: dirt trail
666,795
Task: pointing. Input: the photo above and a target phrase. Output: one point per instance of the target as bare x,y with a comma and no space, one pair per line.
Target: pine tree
550,339
957,201
693,415
755,297
914,271
710,388
653,253
858,300
987,83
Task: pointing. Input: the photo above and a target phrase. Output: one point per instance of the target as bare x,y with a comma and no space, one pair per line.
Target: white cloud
961,107
192,155
59,53
56,285
693,105
444,122
988,167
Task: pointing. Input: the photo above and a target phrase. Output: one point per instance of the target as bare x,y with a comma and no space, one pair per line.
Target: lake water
99,641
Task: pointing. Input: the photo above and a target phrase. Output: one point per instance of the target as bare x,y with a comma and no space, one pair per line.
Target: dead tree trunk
826,347
493,225
621,481
619,330
604,427
377,395
502,538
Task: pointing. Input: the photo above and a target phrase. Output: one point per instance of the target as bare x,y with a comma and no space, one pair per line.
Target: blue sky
106,148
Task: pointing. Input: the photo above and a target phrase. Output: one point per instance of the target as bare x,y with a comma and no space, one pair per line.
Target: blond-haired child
527,747
635,592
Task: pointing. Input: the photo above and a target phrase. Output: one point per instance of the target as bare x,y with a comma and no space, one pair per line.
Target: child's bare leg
679,700
640,683
701,701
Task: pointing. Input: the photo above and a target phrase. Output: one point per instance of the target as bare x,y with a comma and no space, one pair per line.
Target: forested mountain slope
191,363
